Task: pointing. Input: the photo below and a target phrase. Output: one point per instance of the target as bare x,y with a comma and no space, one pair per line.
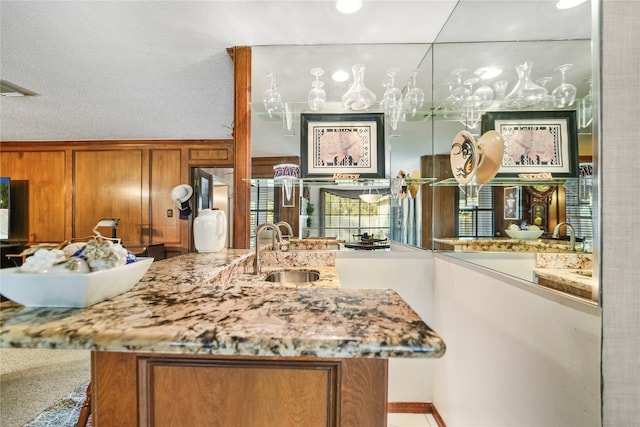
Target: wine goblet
585,112
565,94
392,99
317,96
271,98
414,98
471,116
547,100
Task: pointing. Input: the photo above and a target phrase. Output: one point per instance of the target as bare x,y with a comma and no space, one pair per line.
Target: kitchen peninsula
200,339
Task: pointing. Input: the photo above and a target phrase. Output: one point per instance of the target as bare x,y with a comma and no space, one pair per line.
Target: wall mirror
503,34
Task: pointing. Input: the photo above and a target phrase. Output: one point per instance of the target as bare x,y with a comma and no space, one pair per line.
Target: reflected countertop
504,244
212,304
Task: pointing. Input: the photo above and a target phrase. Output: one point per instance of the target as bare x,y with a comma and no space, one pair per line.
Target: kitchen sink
293,276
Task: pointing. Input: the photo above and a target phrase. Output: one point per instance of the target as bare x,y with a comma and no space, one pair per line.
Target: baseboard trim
409,407
416,408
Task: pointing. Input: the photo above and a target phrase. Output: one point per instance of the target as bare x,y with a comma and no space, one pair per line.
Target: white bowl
70,290
524,234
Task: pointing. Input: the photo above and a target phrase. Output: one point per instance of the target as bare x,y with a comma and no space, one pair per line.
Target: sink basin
293,276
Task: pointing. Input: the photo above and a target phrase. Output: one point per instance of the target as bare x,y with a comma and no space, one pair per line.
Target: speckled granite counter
505,245
569,273
208,304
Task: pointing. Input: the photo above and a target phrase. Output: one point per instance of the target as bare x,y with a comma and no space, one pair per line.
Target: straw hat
181,193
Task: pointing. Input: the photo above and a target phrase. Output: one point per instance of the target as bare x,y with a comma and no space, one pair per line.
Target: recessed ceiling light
348,6
488,73
568,4
340,76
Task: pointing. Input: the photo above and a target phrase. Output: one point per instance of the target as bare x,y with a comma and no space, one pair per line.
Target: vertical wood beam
241,56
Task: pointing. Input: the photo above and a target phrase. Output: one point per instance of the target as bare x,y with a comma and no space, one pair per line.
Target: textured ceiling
160,70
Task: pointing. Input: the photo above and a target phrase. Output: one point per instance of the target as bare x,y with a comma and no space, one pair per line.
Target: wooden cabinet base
147,389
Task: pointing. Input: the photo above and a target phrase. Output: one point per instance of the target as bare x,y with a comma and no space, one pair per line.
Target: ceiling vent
11,89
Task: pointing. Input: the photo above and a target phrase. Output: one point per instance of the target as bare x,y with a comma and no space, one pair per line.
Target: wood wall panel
45,173
131,185
222,153
109,184
164,176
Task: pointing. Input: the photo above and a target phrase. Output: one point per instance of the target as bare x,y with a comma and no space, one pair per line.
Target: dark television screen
4,207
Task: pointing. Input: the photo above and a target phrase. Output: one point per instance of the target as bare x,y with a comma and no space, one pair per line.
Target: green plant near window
310,209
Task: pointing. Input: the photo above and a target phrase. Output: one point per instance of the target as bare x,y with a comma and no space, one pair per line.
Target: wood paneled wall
73,184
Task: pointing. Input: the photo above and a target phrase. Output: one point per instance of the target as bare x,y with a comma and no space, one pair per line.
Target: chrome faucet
277,237
285,241
572,238
287,226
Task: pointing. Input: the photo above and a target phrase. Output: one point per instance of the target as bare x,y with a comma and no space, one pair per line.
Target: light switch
170,213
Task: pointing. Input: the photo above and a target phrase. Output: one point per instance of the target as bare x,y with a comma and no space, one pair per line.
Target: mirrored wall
437,214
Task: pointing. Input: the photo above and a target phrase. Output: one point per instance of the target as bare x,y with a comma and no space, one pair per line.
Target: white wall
408,272
516,355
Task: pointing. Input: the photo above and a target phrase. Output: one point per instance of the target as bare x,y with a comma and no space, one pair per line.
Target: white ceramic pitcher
210,230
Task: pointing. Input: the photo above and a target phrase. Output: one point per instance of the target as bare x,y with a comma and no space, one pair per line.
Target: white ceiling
160,70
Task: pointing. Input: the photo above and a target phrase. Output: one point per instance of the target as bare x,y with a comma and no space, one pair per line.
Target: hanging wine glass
546,101
449,103
500,88
565,94
272,99
414,98
472,113
317,96
585,112
358,97
460,92
392,99
484,93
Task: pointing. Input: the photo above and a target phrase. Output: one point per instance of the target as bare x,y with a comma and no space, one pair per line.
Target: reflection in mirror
406,130
465,225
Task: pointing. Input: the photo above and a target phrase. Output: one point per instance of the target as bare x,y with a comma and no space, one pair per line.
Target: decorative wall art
338,144
512,203
536,141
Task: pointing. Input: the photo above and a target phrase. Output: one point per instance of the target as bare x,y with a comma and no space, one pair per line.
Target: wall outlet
169,213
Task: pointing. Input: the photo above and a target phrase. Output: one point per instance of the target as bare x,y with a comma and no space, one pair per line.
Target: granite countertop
569,273
210,304
505,244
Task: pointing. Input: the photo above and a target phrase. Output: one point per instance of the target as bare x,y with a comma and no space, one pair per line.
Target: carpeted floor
32,380
63,413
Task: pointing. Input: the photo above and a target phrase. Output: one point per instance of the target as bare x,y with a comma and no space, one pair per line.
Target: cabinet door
240,393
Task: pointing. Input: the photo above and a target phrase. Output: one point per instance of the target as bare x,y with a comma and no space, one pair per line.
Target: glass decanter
358,97
526,93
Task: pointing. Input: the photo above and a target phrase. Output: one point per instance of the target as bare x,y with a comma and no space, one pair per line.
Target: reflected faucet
287,226
285,241
275,242
572,238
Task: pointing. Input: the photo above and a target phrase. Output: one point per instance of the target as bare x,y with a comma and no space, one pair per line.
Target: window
344,215
476,218
261,209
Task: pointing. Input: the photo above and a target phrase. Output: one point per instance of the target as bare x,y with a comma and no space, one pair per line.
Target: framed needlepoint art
536,142
342,144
